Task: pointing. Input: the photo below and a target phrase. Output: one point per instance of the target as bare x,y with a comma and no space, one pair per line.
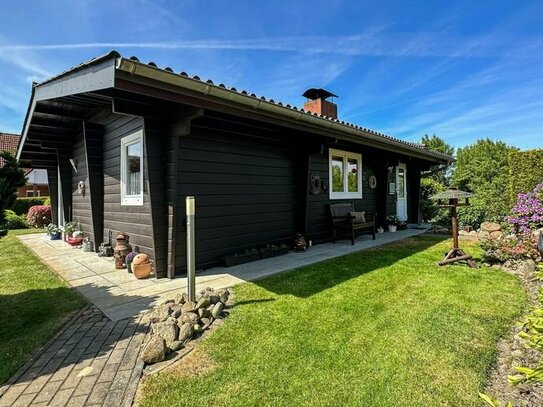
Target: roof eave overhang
142,73
98,75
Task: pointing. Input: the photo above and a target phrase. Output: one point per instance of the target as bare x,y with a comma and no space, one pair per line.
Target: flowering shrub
39,216
511,247
527,214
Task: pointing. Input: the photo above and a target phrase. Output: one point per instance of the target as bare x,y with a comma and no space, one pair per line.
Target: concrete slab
119,295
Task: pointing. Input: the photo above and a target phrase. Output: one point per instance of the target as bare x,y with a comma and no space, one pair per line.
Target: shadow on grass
309,280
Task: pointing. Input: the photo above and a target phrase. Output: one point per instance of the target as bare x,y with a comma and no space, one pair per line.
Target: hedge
22,205
525,170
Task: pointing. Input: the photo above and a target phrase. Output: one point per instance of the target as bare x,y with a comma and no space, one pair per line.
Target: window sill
337,196
128,202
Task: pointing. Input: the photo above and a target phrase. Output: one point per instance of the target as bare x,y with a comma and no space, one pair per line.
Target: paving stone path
92,361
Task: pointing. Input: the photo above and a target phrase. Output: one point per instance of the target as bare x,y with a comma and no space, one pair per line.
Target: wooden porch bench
344,222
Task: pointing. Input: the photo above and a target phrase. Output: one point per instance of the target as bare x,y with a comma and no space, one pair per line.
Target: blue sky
462,70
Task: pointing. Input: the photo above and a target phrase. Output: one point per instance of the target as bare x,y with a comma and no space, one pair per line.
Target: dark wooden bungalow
124,142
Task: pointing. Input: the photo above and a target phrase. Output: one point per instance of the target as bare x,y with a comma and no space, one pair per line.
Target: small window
132,169
345,175
30,193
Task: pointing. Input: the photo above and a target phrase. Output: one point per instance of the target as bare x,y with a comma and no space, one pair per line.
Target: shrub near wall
22,205
39,216
526,171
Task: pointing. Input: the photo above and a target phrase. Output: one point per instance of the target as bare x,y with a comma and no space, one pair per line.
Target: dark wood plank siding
247,192
319,227
156,138
93,135
81,204
134,220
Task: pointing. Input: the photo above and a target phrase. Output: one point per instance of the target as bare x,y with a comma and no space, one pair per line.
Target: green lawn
383,327
34,303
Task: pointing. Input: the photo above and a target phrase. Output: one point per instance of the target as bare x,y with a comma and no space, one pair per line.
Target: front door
401,203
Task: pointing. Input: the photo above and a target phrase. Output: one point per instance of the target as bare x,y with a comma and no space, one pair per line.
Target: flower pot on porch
392,228
54,236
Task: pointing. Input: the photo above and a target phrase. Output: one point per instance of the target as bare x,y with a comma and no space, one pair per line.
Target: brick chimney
316,102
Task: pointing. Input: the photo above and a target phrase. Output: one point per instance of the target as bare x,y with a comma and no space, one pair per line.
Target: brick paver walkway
92,361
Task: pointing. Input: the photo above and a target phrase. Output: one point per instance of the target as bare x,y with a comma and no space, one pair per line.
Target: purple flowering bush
527,214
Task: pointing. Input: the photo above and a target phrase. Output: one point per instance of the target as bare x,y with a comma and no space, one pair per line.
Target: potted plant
70,227
72,234
52,231
392,221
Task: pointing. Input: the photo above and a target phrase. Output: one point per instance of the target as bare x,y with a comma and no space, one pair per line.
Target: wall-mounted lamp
390,169
74,164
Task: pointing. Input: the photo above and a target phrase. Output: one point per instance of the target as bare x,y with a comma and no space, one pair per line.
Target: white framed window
30,193
132,169
345,169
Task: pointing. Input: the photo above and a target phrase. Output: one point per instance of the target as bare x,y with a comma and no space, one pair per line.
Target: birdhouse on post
452,198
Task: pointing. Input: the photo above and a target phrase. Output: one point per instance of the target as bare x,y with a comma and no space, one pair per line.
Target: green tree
11,177
483,168
438,173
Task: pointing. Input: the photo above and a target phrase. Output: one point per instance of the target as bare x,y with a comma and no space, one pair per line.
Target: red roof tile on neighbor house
8,142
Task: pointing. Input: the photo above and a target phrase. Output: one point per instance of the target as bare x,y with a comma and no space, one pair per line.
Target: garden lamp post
451,198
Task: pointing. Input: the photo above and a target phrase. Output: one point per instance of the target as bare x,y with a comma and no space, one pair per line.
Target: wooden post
454,227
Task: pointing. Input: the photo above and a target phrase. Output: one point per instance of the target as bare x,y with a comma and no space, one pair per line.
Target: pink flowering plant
511,247
527,214
39,216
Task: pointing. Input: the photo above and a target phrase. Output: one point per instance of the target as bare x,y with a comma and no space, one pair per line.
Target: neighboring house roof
207,88
8,142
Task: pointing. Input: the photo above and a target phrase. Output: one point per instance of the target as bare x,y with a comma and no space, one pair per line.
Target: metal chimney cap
318,93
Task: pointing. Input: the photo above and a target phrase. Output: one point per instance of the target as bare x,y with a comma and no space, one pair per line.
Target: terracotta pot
141,270
141,258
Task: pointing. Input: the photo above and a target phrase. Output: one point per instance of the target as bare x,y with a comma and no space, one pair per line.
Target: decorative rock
166,330
204,302
472,233
217,309
462,233
176,345
160,313
175,310
185,332
213,298
223,295
189,306
204,313
189,317
197,328
179,298
210,307
490,227
154,351
206,323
